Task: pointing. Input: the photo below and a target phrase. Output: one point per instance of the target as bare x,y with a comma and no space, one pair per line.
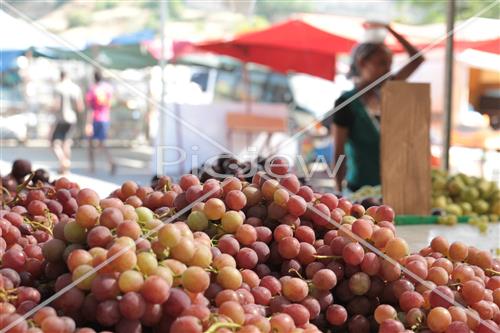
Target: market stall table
418,236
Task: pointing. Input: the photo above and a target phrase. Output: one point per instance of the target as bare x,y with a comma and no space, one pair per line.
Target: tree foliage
175,7
423,11
276,9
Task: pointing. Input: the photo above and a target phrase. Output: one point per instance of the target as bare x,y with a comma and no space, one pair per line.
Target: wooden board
255,123
405,147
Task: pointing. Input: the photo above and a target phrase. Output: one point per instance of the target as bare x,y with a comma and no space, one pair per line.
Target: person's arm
412,66
339,138
80,104
56,103
88,122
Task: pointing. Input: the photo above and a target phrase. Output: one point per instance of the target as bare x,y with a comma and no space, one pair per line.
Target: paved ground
135,164
132,163
419,236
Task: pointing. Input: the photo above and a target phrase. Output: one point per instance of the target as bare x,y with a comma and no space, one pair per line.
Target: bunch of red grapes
268,256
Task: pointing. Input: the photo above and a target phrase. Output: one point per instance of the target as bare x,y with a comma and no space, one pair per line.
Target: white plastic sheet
419,236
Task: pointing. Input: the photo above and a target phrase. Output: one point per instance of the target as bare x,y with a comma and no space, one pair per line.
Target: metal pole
448,81
246,79
163,10
251,9
246,74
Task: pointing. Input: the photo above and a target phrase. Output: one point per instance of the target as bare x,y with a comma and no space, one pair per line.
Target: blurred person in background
356,126
99,101
68,100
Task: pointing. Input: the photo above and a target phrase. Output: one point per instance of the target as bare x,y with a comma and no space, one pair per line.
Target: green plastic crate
423,219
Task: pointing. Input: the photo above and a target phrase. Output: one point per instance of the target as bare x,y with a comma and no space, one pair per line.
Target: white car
15,122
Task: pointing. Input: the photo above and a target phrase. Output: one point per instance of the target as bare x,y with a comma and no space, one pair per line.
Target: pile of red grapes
269,256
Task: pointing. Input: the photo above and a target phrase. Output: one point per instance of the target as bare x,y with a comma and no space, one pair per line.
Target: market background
125,37
219,210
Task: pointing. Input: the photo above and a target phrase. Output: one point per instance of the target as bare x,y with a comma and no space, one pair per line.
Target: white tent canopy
19,35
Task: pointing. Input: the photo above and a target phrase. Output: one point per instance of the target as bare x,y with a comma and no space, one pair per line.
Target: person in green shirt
355,126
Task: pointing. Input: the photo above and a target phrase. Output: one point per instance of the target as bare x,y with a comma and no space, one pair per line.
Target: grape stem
296,272
51,223
31,323
220,231
216,326
21,187
417,326
319,256
5,190
6,295
492,271
38,225
211,269
167,186
168,213
217,226
41,186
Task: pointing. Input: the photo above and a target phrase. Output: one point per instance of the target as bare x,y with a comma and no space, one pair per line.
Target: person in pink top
99,101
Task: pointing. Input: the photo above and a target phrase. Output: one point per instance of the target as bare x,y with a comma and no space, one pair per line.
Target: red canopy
290,46
297,46
490,46
173,48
